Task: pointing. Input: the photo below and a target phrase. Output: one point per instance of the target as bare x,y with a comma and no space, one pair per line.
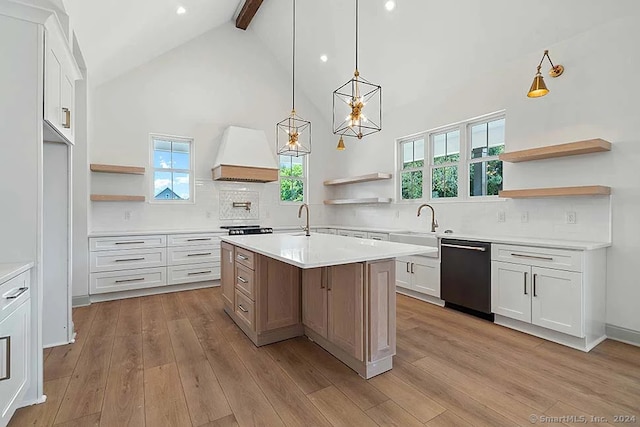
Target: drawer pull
67,118
242,257
525,283
244,310
408,267
7,366
543,258
16,293
412,272
130,243
130,259
471,248
130,280
207,254
200,239
242,279
198,272
535,293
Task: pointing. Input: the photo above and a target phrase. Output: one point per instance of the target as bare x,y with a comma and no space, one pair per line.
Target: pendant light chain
357,35
293,65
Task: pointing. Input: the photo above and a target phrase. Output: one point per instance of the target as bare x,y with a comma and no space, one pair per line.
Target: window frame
464,163
190,171
303,178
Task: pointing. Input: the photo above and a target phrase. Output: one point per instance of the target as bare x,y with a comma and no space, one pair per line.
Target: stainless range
239,230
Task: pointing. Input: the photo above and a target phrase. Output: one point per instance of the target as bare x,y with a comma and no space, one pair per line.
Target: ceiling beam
248,11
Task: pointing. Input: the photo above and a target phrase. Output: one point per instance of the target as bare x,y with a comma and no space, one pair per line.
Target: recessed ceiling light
390,5
324,58
181,10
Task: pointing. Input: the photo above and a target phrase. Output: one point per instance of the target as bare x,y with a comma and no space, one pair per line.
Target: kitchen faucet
306,229
434,223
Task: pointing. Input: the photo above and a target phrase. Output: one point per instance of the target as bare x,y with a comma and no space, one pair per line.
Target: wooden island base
349,309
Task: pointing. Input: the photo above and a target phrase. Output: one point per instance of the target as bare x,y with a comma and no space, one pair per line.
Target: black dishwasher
465,276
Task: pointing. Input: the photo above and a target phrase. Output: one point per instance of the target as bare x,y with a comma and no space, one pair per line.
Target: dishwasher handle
471,248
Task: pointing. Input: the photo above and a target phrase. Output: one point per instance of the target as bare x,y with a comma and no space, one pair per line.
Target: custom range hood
246,156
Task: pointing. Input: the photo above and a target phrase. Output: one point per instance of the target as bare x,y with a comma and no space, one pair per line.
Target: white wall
594,98
222,78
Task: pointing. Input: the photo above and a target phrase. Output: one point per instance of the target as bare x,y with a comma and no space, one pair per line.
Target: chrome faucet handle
435,223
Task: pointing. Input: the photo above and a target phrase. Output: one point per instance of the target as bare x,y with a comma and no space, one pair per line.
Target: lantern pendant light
293,134
357,104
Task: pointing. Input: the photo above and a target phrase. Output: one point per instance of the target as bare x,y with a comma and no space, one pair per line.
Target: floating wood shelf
378,176
364,201
132,170
116,198
592,190
563,150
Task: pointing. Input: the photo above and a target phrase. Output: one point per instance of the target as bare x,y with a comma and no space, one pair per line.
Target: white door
55,262
52,83
14,356
557,300
403,273
66,103
511,290
426,277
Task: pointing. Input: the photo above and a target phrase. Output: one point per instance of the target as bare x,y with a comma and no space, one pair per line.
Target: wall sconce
538,88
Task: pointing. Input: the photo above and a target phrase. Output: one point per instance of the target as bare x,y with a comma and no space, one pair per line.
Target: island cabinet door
314,300
345,292
382,309
227,279
278,294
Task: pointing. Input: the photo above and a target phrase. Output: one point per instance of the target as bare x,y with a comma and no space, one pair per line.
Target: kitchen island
339,291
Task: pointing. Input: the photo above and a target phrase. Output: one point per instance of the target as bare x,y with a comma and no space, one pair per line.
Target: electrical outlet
127,215
209,215
502,217
397,213
571,217
524,216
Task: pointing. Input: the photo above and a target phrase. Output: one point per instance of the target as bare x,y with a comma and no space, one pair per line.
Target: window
466,149
412,164
292,178
485,170
172,168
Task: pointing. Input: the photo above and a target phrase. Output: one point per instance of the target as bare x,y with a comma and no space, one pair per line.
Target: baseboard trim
80,301
420,296
627,336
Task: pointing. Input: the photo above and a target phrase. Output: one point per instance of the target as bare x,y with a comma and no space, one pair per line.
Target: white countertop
513,240
529,241
12,269
320,250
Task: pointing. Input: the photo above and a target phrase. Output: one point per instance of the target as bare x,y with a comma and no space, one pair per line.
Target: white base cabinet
126,263
549,291
419,274
15,348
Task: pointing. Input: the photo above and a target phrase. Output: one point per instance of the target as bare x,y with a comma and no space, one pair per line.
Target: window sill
489,199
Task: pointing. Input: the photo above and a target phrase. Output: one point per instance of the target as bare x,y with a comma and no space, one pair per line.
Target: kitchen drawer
245,257
378,236
245,310
559,259
359,234
128,242
245,280
115,281
13,292
127,260
193,239
193,273
193,255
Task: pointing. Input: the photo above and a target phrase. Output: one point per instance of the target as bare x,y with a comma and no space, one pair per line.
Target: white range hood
245,155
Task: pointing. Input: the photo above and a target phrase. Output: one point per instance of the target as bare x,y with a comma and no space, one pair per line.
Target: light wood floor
178,360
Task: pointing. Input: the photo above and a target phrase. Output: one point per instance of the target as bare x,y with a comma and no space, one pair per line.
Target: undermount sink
415,238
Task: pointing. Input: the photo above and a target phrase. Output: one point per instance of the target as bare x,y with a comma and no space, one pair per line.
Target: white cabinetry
549,291
15,348
61,72
419,274
124,263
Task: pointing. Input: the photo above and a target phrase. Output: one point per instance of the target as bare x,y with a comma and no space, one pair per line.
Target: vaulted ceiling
421,45
119,35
